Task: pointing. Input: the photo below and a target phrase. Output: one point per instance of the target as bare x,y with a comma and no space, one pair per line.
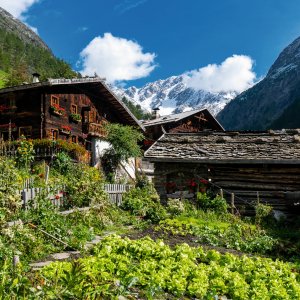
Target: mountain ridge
172,95
23,52
13,25
262,106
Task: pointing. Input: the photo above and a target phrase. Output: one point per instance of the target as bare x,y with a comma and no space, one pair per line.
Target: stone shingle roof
177,117
228,147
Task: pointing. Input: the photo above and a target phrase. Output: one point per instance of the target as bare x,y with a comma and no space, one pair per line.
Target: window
54,134
54,100
74,138
92,116
74,109
26,131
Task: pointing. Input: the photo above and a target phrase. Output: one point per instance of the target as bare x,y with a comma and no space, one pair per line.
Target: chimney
155,113
35,77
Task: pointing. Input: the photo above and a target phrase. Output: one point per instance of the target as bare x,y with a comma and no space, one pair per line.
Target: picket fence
115,193
29,194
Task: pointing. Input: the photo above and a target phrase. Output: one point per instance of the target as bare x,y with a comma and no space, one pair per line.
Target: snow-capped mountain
172,95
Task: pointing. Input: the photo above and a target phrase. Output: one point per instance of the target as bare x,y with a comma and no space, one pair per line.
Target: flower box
65,130
57,110
7,109
75,118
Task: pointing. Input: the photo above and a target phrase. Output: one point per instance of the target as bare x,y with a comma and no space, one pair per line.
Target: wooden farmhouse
70,109
186,122
252,165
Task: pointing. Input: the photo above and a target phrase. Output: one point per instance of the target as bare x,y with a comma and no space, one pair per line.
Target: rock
39,265
61,256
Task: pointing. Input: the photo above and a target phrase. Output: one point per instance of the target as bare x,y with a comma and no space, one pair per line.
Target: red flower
203,181
66,127
192,183
170,184
57,197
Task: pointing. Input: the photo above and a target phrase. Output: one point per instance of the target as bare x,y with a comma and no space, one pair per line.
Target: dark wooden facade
73,110
186,122
250,165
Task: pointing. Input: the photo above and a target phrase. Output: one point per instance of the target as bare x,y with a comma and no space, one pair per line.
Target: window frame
54,100
74,139
76,108
26,128
55,132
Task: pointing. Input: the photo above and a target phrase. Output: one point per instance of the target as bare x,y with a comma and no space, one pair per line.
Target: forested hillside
137,110
18,60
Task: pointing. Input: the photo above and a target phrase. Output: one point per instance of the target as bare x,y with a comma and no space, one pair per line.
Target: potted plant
192,185
75,117
57,110
65,129
203,185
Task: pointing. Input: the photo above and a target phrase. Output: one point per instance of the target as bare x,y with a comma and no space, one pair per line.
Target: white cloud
115,58
34,29
128,5
17,7
234,74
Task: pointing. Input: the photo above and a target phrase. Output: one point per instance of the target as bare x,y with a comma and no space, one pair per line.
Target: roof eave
224,161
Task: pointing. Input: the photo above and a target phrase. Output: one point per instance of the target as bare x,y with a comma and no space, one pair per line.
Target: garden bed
174,240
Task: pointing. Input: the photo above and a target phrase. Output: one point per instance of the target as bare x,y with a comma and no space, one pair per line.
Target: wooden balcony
94,129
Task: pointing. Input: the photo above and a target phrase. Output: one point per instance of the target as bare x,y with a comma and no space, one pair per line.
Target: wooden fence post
16,260
221,193
47,169
232,203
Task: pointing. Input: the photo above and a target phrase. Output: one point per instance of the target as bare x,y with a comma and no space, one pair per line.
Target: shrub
125,144
74,150
175,206
10,183
144,202
262,211
218,204
25,152
63,163
84,186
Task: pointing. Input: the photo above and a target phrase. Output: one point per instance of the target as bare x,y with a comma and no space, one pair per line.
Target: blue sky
138,41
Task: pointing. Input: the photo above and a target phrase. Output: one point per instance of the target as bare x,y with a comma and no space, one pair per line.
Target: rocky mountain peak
288,60
261,106
172,95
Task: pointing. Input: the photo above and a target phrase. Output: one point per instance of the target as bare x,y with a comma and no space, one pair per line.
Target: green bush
144,202
62,163
175,207
261,212
218,204
10,184
25,152
74,150
84,186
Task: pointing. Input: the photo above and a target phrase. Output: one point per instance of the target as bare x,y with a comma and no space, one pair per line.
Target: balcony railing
94,129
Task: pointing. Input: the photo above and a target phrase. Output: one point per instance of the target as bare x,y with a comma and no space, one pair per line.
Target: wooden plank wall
276,185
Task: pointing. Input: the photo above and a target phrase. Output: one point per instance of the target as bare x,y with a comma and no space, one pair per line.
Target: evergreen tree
137,110
19,60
